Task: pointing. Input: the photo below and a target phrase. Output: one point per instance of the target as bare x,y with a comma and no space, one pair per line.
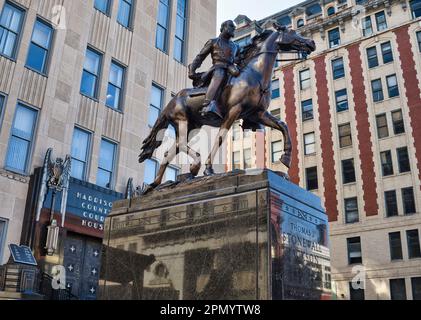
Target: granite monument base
242,235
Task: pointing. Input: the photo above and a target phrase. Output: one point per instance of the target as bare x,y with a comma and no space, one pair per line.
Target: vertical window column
21,139
39,47
115,86
106,164
91,74
180,31
10,28
162,25
80,153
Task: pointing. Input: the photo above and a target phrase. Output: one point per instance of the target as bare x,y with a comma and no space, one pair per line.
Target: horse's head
290,40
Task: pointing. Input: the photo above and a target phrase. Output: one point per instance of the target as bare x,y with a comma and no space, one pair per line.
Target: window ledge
8,58
116,110
90,98
42,74
7,173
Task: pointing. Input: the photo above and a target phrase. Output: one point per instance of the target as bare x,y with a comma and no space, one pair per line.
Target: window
356,294
408,201
80,153
236,132
341,100
107,157
334,38
307,109
312,180
348,171
162,25
151,168
397,289
413,240
155,107
3,231
10,27
382,129
91,74
277,149
305,81
103,6
381,21
171,174
39,47
354,250
124,15
403,160
391,203
387,163
373,61
367,27
345,138
398,124
21,139
392,86
338,68
387,52
377,88
300,23
247,159
243,41
419,40
309,143
276,113
180,31
115,86
415,8
236,160
275,89
330,11
395,244
351,210
416,288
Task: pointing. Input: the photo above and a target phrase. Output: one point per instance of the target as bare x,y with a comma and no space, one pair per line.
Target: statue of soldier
223,52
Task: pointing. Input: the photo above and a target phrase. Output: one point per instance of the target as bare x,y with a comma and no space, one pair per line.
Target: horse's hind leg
270,121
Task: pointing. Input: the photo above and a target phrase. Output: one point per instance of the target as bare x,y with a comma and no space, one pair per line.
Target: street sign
22,255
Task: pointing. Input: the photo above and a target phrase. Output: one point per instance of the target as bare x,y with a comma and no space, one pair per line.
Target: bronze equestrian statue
224,53
245,97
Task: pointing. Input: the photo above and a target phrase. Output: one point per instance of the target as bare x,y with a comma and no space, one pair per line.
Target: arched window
300,23
330,11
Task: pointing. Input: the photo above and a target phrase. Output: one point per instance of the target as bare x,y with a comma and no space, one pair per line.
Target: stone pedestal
241,235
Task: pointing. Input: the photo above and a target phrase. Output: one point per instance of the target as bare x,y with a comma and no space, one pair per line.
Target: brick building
354,113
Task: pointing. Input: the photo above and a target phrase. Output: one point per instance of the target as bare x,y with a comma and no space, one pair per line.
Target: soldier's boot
211,108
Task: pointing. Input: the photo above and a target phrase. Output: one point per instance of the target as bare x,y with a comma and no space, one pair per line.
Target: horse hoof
209,172
147,188
286,160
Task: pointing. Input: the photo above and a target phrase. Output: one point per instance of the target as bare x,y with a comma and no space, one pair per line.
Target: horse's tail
153,141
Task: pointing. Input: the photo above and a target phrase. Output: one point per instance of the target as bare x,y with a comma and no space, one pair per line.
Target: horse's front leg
233,114
267,119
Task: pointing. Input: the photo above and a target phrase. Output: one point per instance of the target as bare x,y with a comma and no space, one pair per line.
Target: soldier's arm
197,62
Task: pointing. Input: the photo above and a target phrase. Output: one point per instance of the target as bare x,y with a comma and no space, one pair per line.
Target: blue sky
254,9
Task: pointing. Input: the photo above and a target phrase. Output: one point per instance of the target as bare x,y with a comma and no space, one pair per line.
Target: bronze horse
246,97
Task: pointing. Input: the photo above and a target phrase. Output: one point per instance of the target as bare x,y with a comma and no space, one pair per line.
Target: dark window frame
395,246
312,179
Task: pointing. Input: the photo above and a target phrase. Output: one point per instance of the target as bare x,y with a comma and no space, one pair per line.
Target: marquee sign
89,203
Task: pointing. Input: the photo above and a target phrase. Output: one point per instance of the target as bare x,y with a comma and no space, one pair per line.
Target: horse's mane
249,51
